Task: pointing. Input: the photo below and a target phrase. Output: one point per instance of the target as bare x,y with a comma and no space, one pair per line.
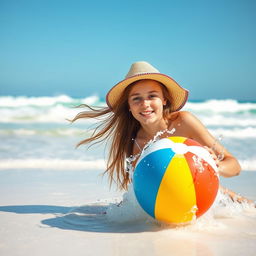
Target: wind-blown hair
119,127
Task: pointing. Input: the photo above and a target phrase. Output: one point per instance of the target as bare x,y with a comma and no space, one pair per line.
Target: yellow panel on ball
176,196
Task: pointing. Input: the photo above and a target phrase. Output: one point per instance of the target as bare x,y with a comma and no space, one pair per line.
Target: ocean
49,186
35,132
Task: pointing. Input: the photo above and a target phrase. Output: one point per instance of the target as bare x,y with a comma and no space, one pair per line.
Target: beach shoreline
34,204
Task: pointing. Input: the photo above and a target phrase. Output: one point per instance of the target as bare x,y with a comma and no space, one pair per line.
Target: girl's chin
147,120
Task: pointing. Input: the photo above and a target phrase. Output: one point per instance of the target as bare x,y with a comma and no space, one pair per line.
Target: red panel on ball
206,182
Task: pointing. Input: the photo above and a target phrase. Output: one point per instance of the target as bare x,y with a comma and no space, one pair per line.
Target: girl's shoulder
185,124
180,116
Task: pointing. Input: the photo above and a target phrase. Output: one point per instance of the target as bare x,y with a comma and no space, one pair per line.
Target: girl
141,105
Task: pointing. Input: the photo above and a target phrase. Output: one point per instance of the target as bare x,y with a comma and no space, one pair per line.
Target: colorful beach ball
175,180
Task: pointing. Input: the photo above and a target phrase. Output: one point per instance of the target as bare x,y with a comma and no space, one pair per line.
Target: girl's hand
214,156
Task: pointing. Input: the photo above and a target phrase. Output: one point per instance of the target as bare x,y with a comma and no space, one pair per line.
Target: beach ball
175,180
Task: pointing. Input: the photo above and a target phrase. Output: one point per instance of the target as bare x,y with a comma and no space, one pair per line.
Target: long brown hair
120,128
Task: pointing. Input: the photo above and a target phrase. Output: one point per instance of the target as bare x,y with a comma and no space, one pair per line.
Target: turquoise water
35,132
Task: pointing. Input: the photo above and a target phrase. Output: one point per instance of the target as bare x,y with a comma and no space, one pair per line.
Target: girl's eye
136,99
152,96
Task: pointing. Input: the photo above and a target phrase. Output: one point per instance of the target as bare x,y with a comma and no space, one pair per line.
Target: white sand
32,205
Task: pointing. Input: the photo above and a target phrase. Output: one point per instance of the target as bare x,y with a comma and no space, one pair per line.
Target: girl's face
146,101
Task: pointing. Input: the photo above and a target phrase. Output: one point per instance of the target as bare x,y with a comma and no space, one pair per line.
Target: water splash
158,137
129,210
130,160
129,163
220,155
198,161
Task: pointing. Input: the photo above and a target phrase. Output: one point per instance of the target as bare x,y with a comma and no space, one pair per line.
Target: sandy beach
45,212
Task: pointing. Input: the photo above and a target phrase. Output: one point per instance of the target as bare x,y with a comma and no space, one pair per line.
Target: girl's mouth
147,113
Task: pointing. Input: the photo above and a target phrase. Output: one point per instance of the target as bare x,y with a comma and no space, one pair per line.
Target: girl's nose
145,102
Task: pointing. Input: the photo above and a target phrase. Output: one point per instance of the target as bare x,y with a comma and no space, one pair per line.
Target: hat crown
141,67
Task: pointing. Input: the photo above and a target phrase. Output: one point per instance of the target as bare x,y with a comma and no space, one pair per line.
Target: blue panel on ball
148,177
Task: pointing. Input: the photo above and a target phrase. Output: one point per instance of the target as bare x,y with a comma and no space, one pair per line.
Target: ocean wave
240,133
55,114
221,106
248,164
53,164
61,115
46,132
222,120
73,164
237,132
60,108
212,105
23,101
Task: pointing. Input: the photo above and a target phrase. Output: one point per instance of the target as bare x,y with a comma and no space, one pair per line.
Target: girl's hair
120,127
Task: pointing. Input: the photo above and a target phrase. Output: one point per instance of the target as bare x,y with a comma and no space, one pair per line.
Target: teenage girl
141,105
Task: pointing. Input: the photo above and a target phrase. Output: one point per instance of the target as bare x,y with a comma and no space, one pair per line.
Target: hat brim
179,95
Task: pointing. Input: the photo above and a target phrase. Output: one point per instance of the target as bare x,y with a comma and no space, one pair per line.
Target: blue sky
82,48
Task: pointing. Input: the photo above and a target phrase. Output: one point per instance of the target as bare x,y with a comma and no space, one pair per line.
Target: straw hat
143,70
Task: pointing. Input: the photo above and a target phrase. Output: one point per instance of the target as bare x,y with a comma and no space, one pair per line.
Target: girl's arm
194,129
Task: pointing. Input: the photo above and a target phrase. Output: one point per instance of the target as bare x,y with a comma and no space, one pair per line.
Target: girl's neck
149,131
